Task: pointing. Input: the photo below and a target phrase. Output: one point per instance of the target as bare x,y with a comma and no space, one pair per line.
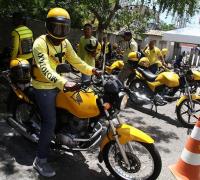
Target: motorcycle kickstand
156,109
189,131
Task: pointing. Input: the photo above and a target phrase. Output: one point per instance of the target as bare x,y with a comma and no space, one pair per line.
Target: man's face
87,31
127,38
151,45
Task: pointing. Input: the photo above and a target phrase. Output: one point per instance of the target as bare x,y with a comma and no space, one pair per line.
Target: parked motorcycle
158,90
127,152
188,106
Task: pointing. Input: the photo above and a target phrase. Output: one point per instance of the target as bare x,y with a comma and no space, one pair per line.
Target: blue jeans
46,102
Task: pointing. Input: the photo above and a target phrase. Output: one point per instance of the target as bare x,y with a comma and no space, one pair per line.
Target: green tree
166,27
102,11
134,19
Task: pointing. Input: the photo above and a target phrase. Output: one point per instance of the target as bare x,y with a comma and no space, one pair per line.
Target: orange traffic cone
188,166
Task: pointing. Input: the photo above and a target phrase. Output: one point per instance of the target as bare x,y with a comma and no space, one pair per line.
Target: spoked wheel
188,112
144,159
27,120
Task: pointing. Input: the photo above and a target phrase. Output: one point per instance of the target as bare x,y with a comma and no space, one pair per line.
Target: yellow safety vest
22,43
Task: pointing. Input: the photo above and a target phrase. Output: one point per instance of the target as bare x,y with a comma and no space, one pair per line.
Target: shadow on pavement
154,114
15,148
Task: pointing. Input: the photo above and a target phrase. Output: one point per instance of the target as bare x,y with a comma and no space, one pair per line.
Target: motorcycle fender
194,97
127,133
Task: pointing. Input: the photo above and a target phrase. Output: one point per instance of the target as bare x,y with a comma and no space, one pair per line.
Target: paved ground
16,153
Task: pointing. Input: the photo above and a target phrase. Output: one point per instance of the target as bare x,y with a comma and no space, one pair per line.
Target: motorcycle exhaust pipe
17,126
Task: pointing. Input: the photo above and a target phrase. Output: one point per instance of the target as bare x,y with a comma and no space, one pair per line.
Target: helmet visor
58,27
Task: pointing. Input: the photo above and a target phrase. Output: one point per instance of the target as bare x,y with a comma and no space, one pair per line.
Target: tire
185,121
146,149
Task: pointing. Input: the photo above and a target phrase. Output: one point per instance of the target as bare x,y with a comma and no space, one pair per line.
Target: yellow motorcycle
157,90
188,106
127,152
115,67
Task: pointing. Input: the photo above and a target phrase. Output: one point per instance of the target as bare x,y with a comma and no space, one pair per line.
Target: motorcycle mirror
63,68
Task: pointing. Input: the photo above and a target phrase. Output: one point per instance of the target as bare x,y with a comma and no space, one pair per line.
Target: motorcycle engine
73,128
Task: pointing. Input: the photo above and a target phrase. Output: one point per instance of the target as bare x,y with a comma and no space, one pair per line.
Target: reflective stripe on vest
25,40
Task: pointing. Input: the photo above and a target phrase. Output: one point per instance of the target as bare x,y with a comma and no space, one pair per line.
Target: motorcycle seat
147,74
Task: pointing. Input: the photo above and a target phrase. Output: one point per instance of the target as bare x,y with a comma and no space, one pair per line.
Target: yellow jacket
46,59
83,54
22,42
153,55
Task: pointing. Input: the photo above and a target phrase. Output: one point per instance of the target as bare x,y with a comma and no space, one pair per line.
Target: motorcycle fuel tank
170,79
196,75
81,105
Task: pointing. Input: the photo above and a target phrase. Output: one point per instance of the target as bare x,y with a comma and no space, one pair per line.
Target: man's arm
76,61
160,57
133,46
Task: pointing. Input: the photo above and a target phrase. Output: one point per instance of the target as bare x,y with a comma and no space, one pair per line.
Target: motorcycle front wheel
188,113
145,161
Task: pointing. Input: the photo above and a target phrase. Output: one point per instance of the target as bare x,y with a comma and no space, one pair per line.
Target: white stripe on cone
196,133
190,158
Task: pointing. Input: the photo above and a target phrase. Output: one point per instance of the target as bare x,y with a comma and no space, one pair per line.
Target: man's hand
97,72
71,86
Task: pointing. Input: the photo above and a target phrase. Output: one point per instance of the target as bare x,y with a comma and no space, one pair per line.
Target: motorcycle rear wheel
140,167
183,113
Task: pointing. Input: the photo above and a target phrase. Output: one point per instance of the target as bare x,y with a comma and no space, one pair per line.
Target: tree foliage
166,27
32,8
106,13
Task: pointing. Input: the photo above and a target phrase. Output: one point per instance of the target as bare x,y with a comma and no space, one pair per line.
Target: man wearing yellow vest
154,55
22,39
87,49
131,46
50,50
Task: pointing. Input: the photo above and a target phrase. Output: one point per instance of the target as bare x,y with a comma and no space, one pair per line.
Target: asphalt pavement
17,154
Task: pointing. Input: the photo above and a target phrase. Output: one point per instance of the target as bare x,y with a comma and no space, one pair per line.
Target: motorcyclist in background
154,55
50,50
22,39
87,49
132,46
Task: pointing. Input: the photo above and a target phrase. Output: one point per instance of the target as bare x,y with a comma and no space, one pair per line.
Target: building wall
160,44
38,28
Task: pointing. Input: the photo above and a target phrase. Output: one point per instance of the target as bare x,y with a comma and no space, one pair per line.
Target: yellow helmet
20,70
134,56
144,62
164,51
58,23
